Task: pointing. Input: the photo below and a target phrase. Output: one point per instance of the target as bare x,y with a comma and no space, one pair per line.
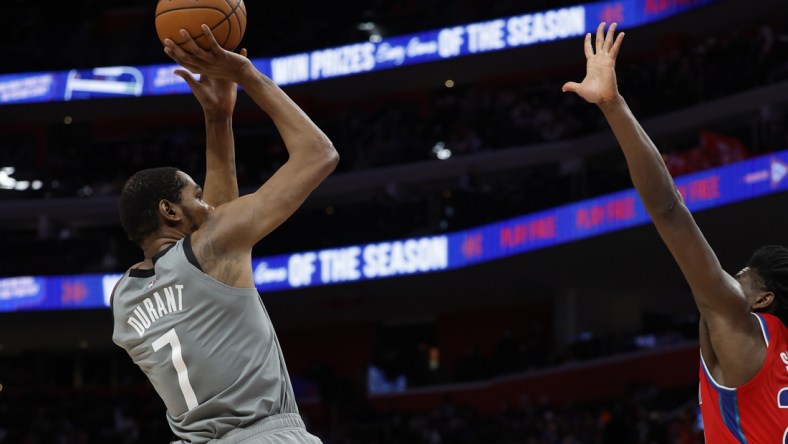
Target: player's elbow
332,157
323,157
329,158
671,208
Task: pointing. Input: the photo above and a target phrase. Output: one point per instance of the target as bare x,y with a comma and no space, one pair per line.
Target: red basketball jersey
756,412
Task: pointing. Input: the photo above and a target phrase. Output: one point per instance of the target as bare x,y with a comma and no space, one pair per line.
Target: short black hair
770,264
140,197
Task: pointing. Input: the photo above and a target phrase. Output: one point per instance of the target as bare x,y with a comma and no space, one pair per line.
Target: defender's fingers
609,38
616,45
589,50
570,87
600,37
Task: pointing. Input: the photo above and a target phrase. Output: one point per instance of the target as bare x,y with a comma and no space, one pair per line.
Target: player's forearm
221,184
711,286
303,139
647,169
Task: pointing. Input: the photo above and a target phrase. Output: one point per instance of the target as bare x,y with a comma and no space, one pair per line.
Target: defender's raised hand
599,84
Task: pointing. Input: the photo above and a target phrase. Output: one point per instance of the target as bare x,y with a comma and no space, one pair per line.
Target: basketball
226,18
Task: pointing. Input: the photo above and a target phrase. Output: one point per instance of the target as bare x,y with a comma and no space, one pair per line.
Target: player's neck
161,242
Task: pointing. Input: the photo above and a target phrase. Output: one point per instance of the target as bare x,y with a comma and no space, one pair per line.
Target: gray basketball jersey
209,350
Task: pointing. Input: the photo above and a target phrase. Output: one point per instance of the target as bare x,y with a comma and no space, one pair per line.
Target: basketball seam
243,11
232,12
202,33
237,19
226,17
189,8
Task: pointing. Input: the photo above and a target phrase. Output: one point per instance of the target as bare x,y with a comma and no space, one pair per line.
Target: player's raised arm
312,158
734,335
233,229
217,98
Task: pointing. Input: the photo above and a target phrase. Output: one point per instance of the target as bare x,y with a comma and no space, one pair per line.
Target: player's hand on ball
216,96
215,62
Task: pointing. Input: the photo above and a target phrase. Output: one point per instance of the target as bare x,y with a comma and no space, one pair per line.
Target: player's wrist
611,103
247,73
218,117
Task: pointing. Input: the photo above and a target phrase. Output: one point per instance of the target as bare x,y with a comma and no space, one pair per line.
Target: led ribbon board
424,47
712,188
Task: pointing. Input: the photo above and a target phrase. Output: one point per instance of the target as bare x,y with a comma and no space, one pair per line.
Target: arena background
592,341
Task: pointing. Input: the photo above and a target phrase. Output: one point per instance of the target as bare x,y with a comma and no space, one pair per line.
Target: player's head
765,280
158,197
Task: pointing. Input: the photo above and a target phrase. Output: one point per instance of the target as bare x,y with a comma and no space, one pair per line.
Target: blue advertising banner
429,46
27,293
712,188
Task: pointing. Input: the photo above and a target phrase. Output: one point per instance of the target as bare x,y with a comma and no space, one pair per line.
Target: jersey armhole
112,294
115,289
764,328
766,339
189,252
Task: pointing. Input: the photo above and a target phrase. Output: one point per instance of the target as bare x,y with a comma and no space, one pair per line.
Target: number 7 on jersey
171,338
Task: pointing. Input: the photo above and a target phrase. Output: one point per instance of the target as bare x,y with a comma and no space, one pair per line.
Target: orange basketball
226,18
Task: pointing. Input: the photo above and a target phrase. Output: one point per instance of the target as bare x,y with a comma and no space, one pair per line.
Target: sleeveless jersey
209,350
756,412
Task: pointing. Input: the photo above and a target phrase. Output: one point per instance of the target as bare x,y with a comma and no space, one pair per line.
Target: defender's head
765,281
159,198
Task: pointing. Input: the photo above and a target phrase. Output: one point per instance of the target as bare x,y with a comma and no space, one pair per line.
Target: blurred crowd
647,415
99,396
491,114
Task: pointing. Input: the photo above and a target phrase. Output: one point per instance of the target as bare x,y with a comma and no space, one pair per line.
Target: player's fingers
609,38
180,60
187,76
589,50
174,55
600,37
173,50
616,45
211,39
189,45
244,52
570,87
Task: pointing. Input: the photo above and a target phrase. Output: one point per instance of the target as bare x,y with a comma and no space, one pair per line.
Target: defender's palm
599,84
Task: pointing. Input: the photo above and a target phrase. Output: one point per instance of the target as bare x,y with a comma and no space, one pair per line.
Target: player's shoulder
130,271
136,266
772,327
769,319
114,291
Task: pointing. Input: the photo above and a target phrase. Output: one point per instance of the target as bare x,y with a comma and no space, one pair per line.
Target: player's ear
764,300
169,212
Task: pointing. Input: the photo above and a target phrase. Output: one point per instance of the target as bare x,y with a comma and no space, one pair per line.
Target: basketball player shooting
189,314
743,338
